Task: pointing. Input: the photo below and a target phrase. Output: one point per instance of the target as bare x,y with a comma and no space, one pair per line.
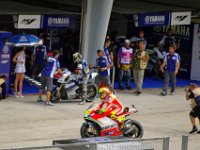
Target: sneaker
194,129
128,88
198,132
172,93
121,87
39,100
163,93
138,92
82,103
21,96
49,104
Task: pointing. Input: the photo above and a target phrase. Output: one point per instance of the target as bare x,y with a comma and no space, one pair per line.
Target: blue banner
58,21
5,56
154,19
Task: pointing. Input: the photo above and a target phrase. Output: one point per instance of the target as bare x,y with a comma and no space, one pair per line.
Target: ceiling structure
74,6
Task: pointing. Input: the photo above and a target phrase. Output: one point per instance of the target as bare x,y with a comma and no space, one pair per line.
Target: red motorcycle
96,124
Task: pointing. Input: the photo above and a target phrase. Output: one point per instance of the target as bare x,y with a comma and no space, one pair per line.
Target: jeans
128,77
138,78
169,76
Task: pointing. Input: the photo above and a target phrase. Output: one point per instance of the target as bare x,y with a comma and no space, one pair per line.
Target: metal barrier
123,144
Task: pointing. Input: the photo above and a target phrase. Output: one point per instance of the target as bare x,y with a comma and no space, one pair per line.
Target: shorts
195,112
47,82
103,79
37,68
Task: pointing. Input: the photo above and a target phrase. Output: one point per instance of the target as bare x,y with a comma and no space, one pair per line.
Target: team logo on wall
180,18
29,21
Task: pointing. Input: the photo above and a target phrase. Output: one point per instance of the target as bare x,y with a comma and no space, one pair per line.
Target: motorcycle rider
110,105
83,70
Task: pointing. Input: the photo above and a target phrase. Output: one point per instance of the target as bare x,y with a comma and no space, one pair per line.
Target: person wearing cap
170,67
193,94
140,62
124,64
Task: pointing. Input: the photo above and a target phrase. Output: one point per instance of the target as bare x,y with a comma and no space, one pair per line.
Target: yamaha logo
154,19
5,50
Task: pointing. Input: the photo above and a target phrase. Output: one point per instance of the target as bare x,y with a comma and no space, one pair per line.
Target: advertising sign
29,21
180,18
5,54
58,21
154,19
195,71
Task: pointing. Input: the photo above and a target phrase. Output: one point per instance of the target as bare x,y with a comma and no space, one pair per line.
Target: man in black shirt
193,92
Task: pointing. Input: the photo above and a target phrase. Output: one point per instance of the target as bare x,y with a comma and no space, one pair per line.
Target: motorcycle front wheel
91,92
88,131
135,129
54,96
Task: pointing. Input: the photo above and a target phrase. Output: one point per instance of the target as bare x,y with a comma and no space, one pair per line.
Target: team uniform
170,70
39,54
103,76
51,66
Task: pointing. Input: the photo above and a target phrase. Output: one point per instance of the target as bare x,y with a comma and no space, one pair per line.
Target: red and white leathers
111,106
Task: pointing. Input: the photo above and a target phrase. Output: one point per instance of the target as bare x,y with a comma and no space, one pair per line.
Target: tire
91,92
84,131
54,98
138,130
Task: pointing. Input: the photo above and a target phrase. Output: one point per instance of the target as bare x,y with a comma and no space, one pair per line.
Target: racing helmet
77,58
103,92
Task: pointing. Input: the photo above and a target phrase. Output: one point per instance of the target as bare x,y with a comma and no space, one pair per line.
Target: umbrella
23,40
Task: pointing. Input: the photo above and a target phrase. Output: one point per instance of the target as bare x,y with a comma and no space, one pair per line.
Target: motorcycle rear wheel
88,132
91,92
137,129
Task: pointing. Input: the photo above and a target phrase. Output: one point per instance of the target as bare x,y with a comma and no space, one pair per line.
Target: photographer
140,62
193,93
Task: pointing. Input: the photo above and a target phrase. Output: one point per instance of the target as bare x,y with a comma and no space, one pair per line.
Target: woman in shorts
20,60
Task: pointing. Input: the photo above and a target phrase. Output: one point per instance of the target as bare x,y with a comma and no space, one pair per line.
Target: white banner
195,71
29,21
181,18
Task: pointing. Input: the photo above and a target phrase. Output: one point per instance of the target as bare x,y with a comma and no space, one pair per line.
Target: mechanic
193,92
110,105
38,59
103,67
84,71
52,65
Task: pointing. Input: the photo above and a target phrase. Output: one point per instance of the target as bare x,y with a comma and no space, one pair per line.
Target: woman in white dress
19,59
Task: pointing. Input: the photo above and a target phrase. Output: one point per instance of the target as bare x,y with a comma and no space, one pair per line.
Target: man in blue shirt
38,59
103,74
52,65
171,64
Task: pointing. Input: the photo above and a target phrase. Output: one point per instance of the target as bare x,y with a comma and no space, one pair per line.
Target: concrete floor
25,123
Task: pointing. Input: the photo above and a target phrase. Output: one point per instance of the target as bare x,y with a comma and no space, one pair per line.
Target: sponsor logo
4,61
27,21
5,50
23,39
154,19
58,21
5,56
180,18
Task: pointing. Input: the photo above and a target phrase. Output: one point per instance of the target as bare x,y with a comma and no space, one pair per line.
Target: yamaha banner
5,56
58,21
154,19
